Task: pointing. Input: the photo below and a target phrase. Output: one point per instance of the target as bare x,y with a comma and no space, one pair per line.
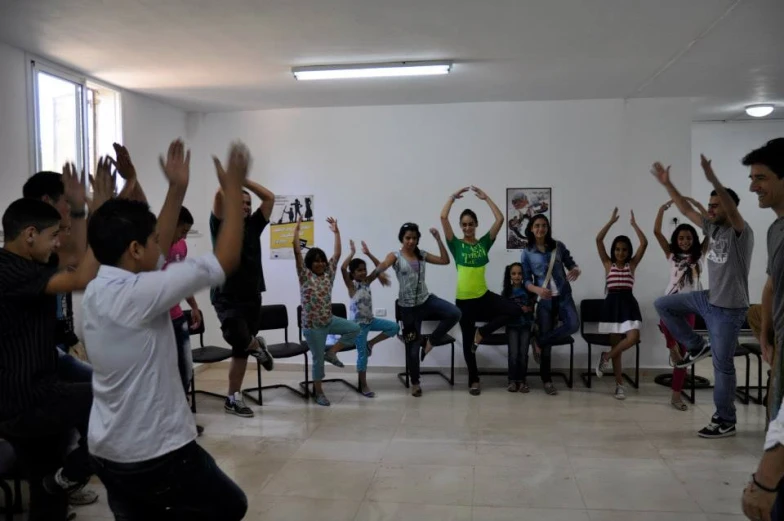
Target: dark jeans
41,436
497,310
71,369
777,514
182,485
184,357
433,308
548,313
519,338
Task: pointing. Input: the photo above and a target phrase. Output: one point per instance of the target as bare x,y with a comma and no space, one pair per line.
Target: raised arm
657,229
663,176
267,197
333,227
766,322
217,205
381,267
297,248
133,188
600,239
176,168
443,257
73,250
643,242
68,281
733,215
497,215
382,277
344,269
228,245
696,204
445,224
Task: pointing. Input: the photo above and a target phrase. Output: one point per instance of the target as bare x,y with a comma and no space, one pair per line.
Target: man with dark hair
763,497
238,301
723,307
142,433
38,409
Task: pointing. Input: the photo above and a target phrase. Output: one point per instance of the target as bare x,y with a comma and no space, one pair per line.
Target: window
75,119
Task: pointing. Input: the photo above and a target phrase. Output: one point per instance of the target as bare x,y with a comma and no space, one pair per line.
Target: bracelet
453,197
761,486
78,214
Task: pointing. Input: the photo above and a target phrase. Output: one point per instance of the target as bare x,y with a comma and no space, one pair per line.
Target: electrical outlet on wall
380,312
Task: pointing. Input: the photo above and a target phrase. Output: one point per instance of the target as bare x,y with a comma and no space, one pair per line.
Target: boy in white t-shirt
142,435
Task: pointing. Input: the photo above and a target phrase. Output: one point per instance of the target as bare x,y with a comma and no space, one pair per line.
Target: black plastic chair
501,339
446,340
9,472
274,317
591,312
204,355
338,310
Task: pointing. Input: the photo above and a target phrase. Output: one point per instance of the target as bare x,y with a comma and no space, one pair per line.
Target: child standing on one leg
621,316
354,273
518,331
683,253
316,277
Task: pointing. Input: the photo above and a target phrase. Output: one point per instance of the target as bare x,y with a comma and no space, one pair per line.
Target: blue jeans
548,312
433,308
183,484
723,327
519,338
317,341
387,327
71,369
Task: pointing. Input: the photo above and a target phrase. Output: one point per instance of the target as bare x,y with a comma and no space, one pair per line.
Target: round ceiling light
759,111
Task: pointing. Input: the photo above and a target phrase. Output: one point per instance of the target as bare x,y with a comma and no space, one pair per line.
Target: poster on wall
521,205
287,209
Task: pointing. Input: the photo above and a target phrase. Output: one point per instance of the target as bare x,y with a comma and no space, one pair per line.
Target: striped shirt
620,278
28,325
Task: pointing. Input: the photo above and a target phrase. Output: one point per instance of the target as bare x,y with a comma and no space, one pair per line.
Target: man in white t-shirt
142,435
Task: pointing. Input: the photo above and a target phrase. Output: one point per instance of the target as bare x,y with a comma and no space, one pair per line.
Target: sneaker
199,430
603,365
475,391
57,484
620,392
82,496
237,407
333,359
263,355
717,429
513,387
550,389
692,357
322,400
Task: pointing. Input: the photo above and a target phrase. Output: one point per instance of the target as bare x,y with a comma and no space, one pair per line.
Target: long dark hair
549,242
691,257
314,254
354,265
411,227
507,285
625,240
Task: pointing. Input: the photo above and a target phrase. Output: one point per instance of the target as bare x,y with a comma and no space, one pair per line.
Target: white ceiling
209,55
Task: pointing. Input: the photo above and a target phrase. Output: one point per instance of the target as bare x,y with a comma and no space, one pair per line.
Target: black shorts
239,323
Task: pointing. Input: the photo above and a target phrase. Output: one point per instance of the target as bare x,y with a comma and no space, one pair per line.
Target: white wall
14,136
726,144
376,167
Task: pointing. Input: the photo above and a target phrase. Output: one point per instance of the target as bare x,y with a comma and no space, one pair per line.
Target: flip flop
368,394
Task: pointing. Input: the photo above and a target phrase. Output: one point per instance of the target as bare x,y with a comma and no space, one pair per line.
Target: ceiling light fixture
760,110
372,70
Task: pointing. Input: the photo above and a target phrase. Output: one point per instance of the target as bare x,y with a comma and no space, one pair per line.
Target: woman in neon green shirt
473,298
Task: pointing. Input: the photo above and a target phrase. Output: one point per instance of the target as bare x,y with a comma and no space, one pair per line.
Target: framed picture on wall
521,205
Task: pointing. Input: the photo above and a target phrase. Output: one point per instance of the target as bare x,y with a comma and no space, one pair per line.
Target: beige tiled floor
448,456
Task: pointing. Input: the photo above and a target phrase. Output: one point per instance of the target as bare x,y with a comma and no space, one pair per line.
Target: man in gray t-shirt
767,181
723,307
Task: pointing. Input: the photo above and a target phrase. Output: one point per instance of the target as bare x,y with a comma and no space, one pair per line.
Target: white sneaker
620,392
603,366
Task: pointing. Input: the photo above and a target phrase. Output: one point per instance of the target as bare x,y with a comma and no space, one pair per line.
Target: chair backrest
338,310
195,331
274,316
590,311
702,328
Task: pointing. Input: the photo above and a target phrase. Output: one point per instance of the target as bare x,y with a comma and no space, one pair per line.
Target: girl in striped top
621,316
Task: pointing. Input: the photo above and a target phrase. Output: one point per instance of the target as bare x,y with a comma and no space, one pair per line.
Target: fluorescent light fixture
372,70
760,110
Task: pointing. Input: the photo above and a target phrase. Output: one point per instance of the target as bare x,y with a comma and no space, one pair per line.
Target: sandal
550,389
475,391
524,388
513,387
475,344
679,405
423,351
368,394
675,356
416,391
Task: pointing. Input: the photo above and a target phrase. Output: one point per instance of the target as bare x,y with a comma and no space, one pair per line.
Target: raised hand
123,163
480,194
632,221
459,193
176,166
705,163
660,173
435,234
297,226
352,248
238,165
365,248
614,217
333,224
75,188
103,183
666,206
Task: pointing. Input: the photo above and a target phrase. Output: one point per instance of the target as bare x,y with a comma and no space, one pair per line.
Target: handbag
408,316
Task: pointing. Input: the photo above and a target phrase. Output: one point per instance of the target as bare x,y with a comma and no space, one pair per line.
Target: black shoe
57,484
237,407
692,357
717,429
199,430
263,355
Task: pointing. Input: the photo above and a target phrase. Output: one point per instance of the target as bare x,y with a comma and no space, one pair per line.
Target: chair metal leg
8,510
193,393
586,377
636,382
570,382
18,496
